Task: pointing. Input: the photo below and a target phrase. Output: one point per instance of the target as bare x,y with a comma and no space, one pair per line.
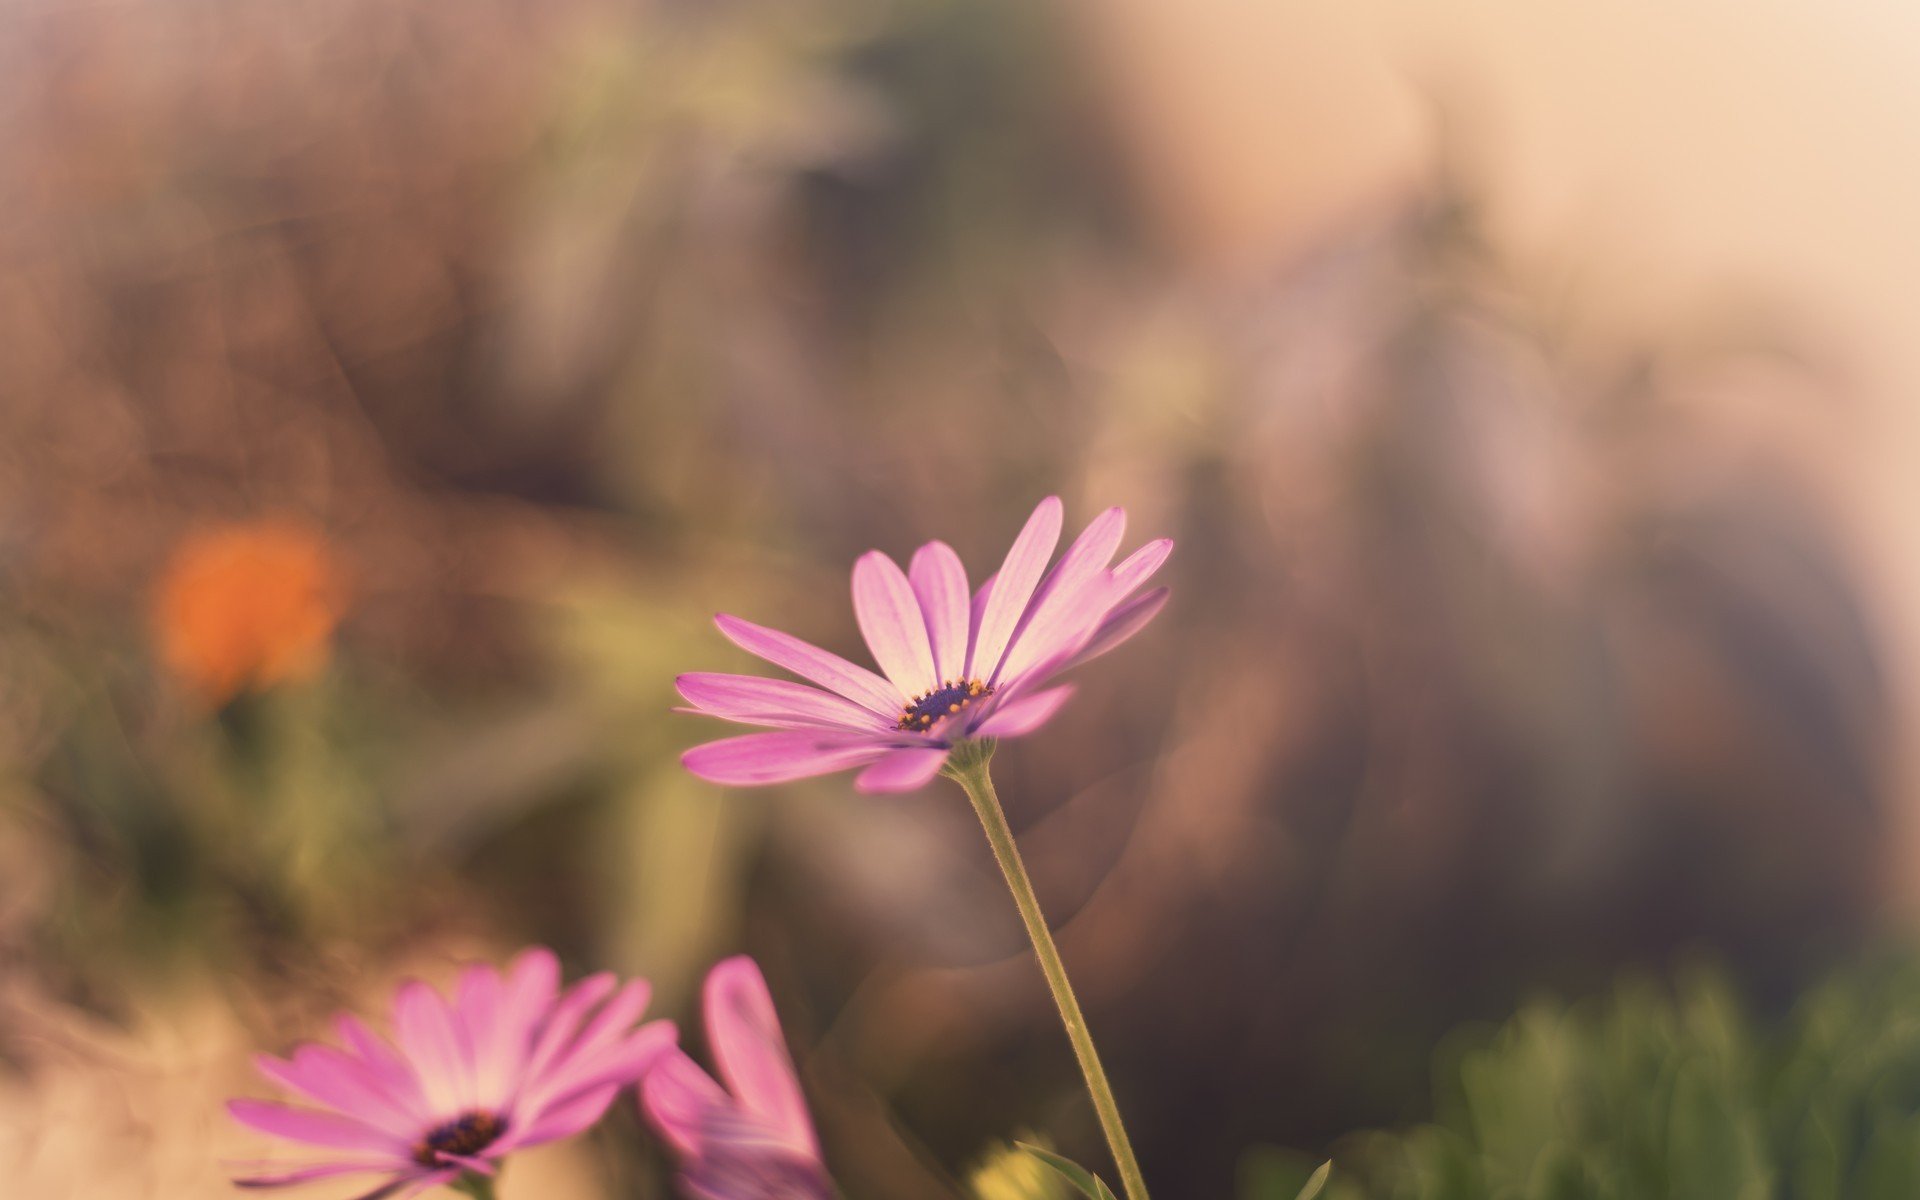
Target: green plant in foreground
1657,1094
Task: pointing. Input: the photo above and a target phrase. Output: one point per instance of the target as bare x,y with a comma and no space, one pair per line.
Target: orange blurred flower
247,606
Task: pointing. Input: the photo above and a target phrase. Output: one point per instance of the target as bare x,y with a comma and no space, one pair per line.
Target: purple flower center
466,1135
946,700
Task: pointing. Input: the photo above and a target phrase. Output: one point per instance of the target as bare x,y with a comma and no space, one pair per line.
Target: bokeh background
390,390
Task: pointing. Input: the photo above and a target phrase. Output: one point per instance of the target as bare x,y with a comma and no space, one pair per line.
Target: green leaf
1316,1181
1075,1174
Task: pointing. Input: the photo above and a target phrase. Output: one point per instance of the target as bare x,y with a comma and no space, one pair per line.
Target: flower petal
562,1025
1139,566
753,700
1026,714
384,1064
904,770
1120,624
407,1186
743,1158
891,621
618,1065
565,1118
287,1174
339,1081
476,1016
549,1078
316,1128
756,759
828,670
1062,601
532,985
744,1033
940,583
1013,587
424,1025
676,1096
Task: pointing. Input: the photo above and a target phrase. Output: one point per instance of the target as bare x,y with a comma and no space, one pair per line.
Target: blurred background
391,390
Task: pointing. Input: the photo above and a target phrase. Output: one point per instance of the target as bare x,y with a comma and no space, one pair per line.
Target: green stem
968,768
478,1186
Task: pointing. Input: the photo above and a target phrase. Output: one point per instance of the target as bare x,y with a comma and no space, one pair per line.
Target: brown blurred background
1530,391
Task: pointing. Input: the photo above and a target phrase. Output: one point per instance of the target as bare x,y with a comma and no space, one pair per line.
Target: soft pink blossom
954,666
510,1062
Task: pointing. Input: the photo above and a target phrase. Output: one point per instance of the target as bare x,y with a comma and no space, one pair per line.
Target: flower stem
480,1187
969,770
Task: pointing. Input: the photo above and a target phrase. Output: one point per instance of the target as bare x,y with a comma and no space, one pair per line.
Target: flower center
466,1135
949,698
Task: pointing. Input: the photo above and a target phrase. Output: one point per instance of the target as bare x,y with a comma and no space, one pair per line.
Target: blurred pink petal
753,1139
332,1130
675,1096
508,1064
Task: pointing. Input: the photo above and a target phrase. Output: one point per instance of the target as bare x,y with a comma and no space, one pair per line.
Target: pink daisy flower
511,1062
751,1140
956,667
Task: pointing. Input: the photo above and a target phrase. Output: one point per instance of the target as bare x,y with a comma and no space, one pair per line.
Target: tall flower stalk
959,671
970,770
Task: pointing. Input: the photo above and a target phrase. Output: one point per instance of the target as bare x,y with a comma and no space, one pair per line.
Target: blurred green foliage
1665,1094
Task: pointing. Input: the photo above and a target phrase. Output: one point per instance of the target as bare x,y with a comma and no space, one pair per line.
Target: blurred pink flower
512,1062
956,667
751,1140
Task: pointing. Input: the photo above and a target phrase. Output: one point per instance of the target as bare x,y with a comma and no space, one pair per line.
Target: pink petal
780,703
1060,605
567,1118
534,978
477,1005
1122,623
940,583
1084,561
401,1189
384,1064
532,984
316,1128
762,758
337,1080
1026,714
903,770
675,1096
1139,566
891,621
624,1063
548,1078
287,1175
1048,643
975,612
1013,587
556,1036
424,1025
744,1033
830,671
